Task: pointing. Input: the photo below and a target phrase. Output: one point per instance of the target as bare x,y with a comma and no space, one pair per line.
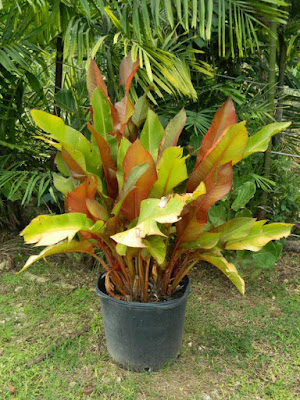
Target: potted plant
129,196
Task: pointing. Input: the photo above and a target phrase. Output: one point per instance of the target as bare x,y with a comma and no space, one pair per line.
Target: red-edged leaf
75,169
76,200
95,79
194,216
230,146
223,118
217,184
172,132
136,155
107,162
188,228
125,110
96,210
127,70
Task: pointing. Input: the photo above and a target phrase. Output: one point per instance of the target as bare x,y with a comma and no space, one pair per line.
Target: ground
52,343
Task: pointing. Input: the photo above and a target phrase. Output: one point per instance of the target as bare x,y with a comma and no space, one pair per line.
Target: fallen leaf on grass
89,390
275,313
12,390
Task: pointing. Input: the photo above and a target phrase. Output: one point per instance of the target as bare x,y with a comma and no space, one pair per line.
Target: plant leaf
95,80
245,193
152,211
103,122
125,110
172,132
107,162
223,118
171,171
217,185
136,155
63,185
229,147
73,141
134,175
83,246
207,240
140,112
259,236
227,268
124,146
128,68
156,247
259,142
152,134
46,230
235,229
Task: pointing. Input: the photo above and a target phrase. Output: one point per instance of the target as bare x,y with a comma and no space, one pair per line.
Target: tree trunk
281,67
272,89
58,70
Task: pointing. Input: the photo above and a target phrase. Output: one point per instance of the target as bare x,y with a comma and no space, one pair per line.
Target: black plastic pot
143,336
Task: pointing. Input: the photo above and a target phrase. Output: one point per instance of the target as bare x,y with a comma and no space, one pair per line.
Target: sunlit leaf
152,134
260,235
171,171
227,268
152,211
172,132
46,230
83,246
136,155
259,142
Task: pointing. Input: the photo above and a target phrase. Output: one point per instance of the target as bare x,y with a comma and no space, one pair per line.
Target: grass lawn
234,347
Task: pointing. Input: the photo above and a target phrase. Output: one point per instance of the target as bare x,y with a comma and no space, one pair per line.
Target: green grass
233,348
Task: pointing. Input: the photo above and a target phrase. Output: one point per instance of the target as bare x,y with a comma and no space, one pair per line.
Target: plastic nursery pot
143,336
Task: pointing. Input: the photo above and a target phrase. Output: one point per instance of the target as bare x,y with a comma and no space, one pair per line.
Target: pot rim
137,304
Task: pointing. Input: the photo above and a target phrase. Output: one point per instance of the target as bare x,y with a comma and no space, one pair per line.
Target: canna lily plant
128,194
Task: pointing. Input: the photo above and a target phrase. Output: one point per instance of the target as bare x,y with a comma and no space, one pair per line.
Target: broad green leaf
229,147
63,185
217,214
260,235
140,110
227,268
243,213
107,163
72,140
66,247
152,211
244,193
237,228
46,230
103,122
207,240
171,171
121,249
61,165
129,185
268,255
124,146
96,209
259,142
172,132
156,247
152,134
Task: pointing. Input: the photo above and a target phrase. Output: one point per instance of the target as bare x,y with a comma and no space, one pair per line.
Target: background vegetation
194,54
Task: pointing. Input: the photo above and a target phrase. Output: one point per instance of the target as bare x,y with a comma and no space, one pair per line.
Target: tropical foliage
130,195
